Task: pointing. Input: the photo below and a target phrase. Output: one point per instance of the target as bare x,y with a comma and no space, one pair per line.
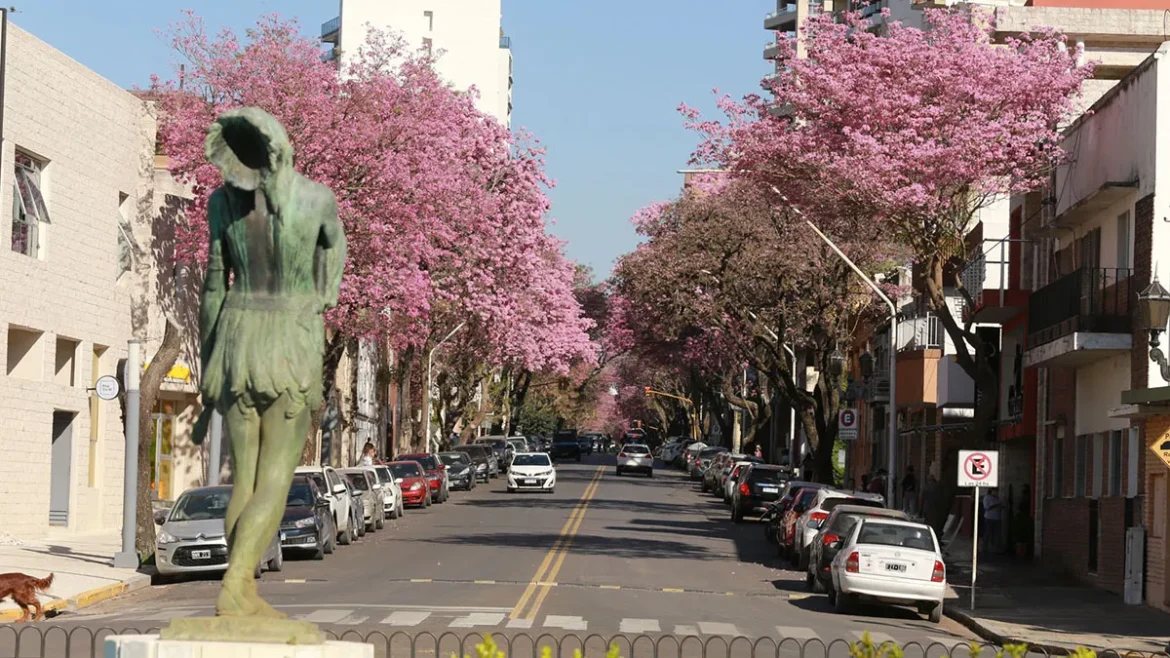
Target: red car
436,474
411,477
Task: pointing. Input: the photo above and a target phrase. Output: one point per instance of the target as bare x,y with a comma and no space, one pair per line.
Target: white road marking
565,623
523,624
797,632
639,626
406,618
717,628
353,620
686,630
478,619
325,616
878,638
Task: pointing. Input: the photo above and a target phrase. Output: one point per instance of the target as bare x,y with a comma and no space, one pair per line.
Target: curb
86,598
986,634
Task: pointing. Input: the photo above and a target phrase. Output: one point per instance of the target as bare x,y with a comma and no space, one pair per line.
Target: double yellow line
546,573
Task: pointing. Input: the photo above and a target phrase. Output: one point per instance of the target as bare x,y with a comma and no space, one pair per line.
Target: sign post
977,469
847,424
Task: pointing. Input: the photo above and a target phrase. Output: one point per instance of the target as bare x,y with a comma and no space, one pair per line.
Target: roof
868,511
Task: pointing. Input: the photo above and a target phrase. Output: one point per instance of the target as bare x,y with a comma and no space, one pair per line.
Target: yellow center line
540,578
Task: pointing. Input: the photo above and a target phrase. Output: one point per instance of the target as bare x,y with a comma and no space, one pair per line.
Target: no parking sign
978,468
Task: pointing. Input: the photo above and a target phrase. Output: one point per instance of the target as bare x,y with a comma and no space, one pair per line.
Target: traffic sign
1161,448
978,468
847,424
107,387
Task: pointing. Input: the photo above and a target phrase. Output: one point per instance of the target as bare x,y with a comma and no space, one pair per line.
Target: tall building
473,48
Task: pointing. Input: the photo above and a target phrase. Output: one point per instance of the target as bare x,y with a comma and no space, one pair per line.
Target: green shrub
489,649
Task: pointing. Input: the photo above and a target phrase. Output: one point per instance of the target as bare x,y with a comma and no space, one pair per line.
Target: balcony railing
921,333
506,42
330,26
1090,299
988,270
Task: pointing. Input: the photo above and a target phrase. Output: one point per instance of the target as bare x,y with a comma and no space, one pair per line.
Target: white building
466,33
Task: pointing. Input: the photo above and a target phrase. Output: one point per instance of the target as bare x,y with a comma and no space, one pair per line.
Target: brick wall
1157,593
1066,526
91,134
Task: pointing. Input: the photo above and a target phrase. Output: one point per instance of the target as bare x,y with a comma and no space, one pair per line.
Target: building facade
466,34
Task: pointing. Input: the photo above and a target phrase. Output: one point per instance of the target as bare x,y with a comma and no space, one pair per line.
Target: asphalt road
604,555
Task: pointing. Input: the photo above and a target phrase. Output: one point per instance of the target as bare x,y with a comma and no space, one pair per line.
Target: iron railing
330,26
506,42
920,333
1096,299
84,642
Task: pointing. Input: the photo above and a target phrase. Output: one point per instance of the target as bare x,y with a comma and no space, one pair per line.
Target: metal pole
791,413
975,549
430,359
127,558
214,449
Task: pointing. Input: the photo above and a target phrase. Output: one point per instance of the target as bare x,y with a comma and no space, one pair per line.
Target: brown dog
23,590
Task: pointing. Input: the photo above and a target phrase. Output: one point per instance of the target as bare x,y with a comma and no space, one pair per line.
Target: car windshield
889,534
320,480
300,495
358,480
475,452
766,476
383,473
636,450
453,459
405,470
531,460
201,505
830,503
428,462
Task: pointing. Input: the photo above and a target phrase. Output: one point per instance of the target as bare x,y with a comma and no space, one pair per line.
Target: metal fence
28,641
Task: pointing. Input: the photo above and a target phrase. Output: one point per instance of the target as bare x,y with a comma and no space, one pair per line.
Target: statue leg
238,595
283,429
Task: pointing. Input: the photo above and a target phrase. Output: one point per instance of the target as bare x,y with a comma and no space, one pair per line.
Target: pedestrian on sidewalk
993,517
368,453
929,492
910,493
759,452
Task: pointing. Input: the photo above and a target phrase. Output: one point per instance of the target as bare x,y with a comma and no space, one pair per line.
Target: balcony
988,278
921,333
1080,318
330,30
781,18
1088,208
771,50
506,42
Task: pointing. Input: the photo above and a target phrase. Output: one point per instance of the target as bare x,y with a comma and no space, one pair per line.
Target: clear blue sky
597,81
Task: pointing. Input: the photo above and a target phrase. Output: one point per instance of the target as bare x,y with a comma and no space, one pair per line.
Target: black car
836,528
480,460
460,469
565,450
307,524
585,443
757,489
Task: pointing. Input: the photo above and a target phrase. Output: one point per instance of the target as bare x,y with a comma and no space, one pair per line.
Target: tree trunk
404,374
334,349
149,386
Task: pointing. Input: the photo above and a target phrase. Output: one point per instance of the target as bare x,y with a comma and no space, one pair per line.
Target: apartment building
76,163
475,52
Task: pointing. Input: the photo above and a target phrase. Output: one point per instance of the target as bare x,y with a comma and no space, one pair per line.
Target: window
1081,465
1131,470
430,18
25,353
65,369
1124,261
1115,465
1057,468
427,45
28,205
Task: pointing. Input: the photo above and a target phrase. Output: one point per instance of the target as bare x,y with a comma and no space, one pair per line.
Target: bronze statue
277,251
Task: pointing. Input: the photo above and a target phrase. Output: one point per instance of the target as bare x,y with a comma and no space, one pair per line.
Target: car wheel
380,521
831,593
394,512
801,562
320,553
810,581
277,562
650,473
736,515
511,489
346,538
331,544
936,613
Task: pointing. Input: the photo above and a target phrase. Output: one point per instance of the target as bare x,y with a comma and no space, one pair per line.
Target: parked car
436,474
711,474
356,506
730,478
824,547
390,491
565,449
500,448
481,459
532,470
689,454
757,488
801,501
192,537
460,469
698,466
775,529
586,443
308,522
412,478
809,523
364,481
520,444
332,486
635,458
890,561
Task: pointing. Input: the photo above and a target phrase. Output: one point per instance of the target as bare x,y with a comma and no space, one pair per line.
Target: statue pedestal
151,646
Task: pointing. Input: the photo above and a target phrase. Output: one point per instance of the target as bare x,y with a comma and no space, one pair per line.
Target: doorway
61,468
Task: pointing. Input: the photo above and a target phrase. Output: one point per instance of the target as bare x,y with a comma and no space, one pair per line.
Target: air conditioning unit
1135,560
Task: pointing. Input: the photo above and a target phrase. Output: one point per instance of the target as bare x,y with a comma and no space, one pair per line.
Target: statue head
248,145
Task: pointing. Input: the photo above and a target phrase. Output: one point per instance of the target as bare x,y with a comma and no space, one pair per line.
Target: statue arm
333,249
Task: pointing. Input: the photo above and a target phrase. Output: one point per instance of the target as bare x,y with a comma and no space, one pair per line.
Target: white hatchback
890,561
635,457
533,471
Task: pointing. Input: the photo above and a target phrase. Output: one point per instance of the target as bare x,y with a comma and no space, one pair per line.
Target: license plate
530,482
200,555
770,489
283,536
896,567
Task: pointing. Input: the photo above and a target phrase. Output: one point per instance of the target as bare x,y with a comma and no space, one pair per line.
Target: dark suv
480,459
759,487
565,449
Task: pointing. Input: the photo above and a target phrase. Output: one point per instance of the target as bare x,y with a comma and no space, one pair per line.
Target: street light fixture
865,362
1155,305
836,363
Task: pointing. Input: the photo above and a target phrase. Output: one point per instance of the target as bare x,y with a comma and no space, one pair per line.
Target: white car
391,492
532,471
890,561
809,523
732,480
340,500
635,457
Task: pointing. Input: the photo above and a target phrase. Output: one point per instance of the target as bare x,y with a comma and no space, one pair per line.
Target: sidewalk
1016,601
82,568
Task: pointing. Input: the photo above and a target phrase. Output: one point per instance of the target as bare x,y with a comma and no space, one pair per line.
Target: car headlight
308,522
481,467
416,486
165,537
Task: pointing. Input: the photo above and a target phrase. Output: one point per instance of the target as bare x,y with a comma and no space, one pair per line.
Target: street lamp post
430,361
127,558
1155,306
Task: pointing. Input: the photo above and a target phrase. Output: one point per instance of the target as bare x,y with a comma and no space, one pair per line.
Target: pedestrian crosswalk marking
797,632
717,628
406,618
878,638
353,620
639,626
325,616
565,622
948,642
478,619
523,624
685,629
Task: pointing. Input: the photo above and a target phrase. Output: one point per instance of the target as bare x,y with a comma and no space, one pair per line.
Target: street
603,555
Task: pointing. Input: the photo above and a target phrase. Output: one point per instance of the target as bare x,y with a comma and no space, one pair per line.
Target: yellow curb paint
798,597
295,580
82,600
